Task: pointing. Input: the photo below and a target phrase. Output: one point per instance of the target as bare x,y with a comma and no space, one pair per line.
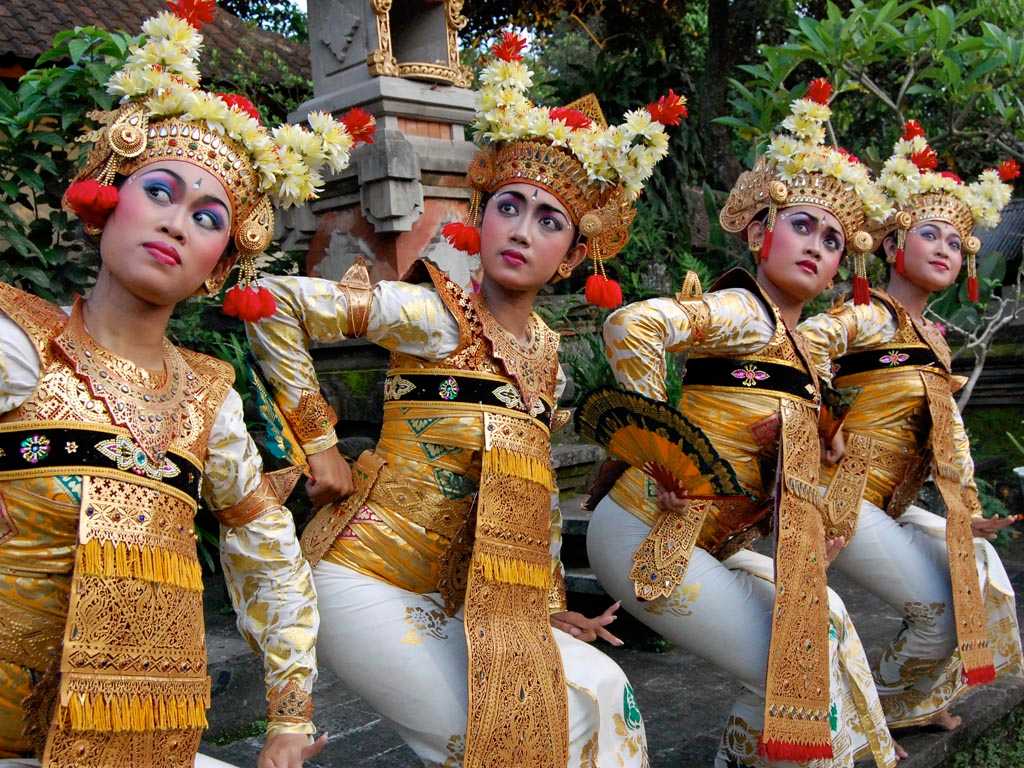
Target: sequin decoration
35,448
448,389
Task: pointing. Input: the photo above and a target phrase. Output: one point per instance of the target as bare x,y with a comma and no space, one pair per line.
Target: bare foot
946,720
901,753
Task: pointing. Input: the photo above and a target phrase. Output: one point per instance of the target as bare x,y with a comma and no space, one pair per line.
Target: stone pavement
683,700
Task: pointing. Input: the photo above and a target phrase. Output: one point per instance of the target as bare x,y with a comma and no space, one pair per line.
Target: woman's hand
332,477
988,527
587,630
289,750
669,502
834,451
832,549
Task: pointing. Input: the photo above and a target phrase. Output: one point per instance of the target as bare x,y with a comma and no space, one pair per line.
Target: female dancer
749,386
438,578
959,620
108,432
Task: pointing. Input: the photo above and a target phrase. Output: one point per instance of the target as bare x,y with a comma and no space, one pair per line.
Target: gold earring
754,246
829,287
564,269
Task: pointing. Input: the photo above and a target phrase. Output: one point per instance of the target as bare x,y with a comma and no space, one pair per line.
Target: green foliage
266,78
40,249
1002,746
281,16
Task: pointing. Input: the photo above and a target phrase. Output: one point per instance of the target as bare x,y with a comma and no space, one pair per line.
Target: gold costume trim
659,563
289,704
356,286
273,490
313,417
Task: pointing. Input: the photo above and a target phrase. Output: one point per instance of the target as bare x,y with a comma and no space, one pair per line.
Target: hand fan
656,438
279,439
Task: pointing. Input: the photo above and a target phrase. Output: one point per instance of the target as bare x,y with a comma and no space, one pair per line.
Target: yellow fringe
510,570
105,558
122,714
520,465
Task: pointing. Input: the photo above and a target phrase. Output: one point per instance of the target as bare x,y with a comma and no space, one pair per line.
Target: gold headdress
799,168
165,115
597,171
919,193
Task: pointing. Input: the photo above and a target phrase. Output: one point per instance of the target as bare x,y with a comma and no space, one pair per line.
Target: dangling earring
564,269
830,286
754,246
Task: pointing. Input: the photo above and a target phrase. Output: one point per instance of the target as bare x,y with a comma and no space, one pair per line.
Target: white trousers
905,563
722,611
406,658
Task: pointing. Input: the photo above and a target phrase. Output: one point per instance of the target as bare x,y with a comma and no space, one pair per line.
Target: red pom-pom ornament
462,237
973,289
602,291
249,303
92,202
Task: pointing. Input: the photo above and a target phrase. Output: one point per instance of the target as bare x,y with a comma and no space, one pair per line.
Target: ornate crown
799,168
597,171
920,193
165,115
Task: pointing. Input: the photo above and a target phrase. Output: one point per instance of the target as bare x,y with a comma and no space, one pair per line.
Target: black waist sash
452,388
43,449
885,359
749,375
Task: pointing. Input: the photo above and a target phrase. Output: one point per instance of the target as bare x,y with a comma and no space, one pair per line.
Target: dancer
434,576
108,433
752,391
959,618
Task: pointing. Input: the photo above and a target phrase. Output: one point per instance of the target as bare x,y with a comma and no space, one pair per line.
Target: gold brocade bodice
432,450
739,414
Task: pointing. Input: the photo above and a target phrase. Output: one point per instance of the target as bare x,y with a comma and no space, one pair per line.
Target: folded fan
656,438
279,439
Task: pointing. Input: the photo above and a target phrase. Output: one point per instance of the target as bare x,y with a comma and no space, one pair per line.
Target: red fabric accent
510,47
249,304
820,90
766,246
195,12
462,236
669,109
1009,170
901,261
360,125
242,104
91,201
603,292
973,292
911,129
797,753
571,117
861,290
980,675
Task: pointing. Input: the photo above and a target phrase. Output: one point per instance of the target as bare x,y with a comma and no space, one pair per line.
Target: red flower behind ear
194,12
669,109
820,90
360,125
241,103
571,117
510,47
1009,170
912,129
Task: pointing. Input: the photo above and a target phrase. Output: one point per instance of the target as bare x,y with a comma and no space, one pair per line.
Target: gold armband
272,491
691,300
358,293
289,704
313,417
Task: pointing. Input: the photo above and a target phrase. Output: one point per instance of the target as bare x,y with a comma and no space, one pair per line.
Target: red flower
820,90
669,109
926,159
242,104
249,304
510,47
912,128
951,175
603,292
1009,170
194,12
848,155
360,125
571,117
91,201
462,236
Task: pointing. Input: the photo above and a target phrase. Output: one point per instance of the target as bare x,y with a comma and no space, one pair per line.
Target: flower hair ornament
800,168
596,171
919,193
164,114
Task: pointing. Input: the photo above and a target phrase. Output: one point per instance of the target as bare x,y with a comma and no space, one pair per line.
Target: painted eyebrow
204,199
817,220
519,196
